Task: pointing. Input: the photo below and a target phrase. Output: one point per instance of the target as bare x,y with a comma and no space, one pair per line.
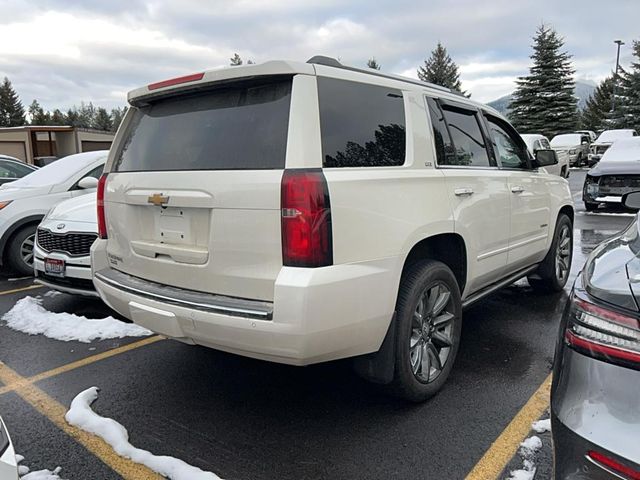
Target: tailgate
193,197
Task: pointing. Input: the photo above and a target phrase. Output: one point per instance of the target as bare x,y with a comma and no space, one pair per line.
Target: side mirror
544,158
87,183
631,200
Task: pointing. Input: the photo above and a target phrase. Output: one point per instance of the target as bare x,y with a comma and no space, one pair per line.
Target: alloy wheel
26,250
431,332
563,254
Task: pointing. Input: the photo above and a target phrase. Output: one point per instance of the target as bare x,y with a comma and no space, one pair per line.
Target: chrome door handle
460,192
517,189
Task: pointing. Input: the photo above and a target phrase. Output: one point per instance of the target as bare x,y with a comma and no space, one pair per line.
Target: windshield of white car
56,172
566,139
611,135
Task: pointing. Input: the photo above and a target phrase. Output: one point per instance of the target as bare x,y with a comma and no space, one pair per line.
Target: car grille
75,244
628,181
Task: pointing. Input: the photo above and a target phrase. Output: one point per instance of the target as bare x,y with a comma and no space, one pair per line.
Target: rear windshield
240,127
566,139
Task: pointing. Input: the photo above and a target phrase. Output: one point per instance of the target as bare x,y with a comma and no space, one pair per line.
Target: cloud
88,50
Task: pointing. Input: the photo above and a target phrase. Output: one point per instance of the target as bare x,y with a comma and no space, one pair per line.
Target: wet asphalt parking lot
247,419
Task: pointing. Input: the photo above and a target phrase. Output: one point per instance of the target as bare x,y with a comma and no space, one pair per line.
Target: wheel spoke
425,362
432,297
415,340
441,340
441,321
441,302
434,356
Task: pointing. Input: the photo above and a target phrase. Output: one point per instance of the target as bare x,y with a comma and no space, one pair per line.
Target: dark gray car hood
627,167
612,271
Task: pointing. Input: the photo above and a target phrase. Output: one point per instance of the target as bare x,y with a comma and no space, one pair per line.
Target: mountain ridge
584,89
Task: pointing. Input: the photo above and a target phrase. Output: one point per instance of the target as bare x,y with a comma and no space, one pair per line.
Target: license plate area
54,266
173,225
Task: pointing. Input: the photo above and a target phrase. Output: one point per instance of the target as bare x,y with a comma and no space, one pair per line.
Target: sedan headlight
4,204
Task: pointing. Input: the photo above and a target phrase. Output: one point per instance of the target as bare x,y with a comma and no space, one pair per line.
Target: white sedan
63,241
8,462
24,203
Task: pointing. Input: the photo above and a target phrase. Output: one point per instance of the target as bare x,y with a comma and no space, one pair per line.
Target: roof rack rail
332,62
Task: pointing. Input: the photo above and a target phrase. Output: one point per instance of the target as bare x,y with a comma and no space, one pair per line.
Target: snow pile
527,451
29,316
45,474
542,426
80,415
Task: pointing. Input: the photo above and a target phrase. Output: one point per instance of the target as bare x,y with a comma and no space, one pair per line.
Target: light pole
615,76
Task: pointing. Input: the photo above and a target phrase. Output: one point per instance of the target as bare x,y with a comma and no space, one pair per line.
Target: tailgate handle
180,254
461,192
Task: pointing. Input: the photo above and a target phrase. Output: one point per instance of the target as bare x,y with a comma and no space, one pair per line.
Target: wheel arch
568,211
23,222
448,248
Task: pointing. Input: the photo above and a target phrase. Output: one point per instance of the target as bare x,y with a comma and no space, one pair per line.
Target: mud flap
378,367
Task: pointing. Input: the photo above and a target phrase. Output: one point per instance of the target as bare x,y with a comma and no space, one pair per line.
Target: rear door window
361,125
468,141
237,127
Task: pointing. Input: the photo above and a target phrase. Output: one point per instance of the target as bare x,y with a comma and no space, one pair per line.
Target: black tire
553,272
14,255
590,207
426,283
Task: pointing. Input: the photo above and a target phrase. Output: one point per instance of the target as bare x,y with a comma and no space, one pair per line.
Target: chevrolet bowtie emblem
158,199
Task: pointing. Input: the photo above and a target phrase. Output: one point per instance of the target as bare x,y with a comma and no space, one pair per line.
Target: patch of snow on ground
45,474
29,316
542,426
527,451
82,416
53,293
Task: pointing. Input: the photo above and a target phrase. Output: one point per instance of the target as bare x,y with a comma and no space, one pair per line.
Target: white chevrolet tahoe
306,212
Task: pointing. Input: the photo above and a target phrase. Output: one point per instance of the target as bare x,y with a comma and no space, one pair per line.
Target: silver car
595,396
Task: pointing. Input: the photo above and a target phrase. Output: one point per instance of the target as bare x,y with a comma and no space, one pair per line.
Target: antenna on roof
323,60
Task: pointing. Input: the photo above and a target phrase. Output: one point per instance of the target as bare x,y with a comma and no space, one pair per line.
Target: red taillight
603,333
102,222
306,219
614,465
175,81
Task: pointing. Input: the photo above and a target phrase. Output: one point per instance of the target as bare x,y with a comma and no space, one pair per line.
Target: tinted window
239,127
509,151
470,149
13,170
445,152
362,125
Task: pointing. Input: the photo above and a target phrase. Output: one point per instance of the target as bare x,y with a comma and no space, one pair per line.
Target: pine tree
58,118
595,113
117,114
102,120
11,109
38,115
440,69
235,60
373,63
628,93
72,117
544,101
86,114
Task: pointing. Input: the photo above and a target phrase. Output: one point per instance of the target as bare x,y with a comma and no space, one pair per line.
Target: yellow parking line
506,445
80,363
55,412
16,290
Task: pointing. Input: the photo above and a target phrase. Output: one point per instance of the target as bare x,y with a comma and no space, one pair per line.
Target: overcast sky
96,50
